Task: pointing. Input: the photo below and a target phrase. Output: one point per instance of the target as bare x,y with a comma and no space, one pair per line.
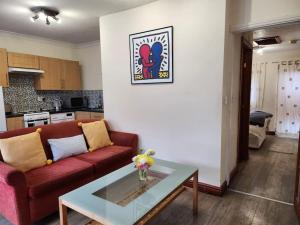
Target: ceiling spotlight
58,20
47,21
45,13
294,41
34,18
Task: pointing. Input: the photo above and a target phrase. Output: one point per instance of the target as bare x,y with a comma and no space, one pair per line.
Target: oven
36,119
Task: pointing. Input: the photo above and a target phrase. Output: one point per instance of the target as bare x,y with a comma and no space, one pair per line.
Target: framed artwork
151,56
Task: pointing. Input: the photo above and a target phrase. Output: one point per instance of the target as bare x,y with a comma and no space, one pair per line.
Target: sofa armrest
11,176
124,139
13,195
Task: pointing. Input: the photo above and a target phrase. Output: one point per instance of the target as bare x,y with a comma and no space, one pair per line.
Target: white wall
181,121
88,55
37,46
257,13
230,107
272,58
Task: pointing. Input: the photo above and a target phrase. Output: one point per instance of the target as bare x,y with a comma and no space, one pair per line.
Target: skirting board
210,189
271,133
214,190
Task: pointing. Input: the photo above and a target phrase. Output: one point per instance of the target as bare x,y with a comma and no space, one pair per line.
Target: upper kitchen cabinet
23,60
71,76
51,79
3,68
59,75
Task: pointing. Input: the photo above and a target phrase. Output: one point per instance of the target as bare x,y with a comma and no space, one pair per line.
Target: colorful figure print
151,56
156,59
145,60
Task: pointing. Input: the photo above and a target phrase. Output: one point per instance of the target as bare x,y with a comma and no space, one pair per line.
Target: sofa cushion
46,179
65,147
96,135
24,152
109,158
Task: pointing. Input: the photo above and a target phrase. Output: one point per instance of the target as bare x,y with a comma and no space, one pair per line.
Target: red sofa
28,197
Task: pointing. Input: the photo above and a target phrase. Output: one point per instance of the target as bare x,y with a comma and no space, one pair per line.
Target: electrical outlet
41,99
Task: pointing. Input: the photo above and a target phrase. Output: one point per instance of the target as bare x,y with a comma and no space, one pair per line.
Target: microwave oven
76,102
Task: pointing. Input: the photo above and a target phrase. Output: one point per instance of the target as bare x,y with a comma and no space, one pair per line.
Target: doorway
269,170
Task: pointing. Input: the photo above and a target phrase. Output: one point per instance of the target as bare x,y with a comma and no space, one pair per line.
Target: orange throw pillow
96,135
24,152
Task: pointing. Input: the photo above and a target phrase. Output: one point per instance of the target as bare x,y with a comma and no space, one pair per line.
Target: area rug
282,145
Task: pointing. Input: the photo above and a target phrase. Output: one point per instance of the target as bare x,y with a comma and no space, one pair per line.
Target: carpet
282,145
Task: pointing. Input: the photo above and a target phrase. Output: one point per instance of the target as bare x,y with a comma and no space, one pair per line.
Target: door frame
244,100
297,181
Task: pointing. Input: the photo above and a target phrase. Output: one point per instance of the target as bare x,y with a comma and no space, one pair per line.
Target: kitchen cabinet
23,60
14,123
51,78
4,80
71,79
97,116
80,115
59,75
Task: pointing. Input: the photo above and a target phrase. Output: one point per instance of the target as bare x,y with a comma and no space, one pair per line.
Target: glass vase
143,174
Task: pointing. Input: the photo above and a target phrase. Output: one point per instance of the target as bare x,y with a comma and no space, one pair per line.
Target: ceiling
286,33
79,18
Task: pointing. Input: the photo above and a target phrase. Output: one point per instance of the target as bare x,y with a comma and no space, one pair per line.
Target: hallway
270,171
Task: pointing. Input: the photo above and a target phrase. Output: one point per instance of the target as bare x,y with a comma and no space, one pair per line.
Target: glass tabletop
119,198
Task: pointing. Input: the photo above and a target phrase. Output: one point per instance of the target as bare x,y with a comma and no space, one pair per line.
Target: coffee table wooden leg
63,214
195,193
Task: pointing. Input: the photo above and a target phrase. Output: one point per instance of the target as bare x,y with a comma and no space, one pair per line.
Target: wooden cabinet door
97,116
23,60
14,123
82,115
71,76
4,80
51,79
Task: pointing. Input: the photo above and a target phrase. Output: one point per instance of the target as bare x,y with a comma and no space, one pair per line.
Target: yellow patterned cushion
96,135
24,152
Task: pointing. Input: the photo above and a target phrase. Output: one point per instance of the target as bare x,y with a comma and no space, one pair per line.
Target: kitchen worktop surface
53,111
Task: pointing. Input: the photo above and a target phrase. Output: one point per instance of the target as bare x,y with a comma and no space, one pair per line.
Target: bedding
257,134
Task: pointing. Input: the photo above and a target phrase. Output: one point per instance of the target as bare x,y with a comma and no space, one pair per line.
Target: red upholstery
48,203
13,195
43,180
107,159
28,197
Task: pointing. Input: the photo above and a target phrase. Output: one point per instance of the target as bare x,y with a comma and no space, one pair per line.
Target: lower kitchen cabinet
82,115
14,123
79,115
97,116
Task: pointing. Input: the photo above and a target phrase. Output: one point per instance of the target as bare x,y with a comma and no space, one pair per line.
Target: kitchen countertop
61,111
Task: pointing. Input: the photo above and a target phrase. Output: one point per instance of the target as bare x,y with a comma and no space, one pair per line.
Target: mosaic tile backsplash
22,96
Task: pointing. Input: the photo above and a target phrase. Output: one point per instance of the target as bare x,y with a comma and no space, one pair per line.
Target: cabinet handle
62,84
7,80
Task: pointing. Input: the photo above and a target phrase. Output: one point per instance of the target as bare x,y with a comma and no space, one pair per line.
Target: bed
259,125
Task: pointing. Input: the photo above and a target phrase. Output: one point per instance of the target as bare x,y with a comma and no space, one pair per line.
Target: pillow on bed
65,147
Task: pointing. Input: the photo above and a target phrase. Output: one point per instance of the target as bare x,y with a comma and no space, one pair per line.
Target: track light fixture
46,14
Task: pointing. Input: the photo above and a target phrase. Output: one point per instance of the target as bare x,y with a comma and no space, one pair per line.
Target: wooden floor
271,170
233,208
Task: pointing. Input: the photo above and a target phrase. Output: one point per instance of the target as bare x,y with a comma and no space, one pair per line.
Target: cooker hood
15,70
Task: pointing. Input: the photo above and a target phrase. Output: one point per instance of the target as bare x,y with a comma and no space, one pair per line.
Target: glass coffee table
119,198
